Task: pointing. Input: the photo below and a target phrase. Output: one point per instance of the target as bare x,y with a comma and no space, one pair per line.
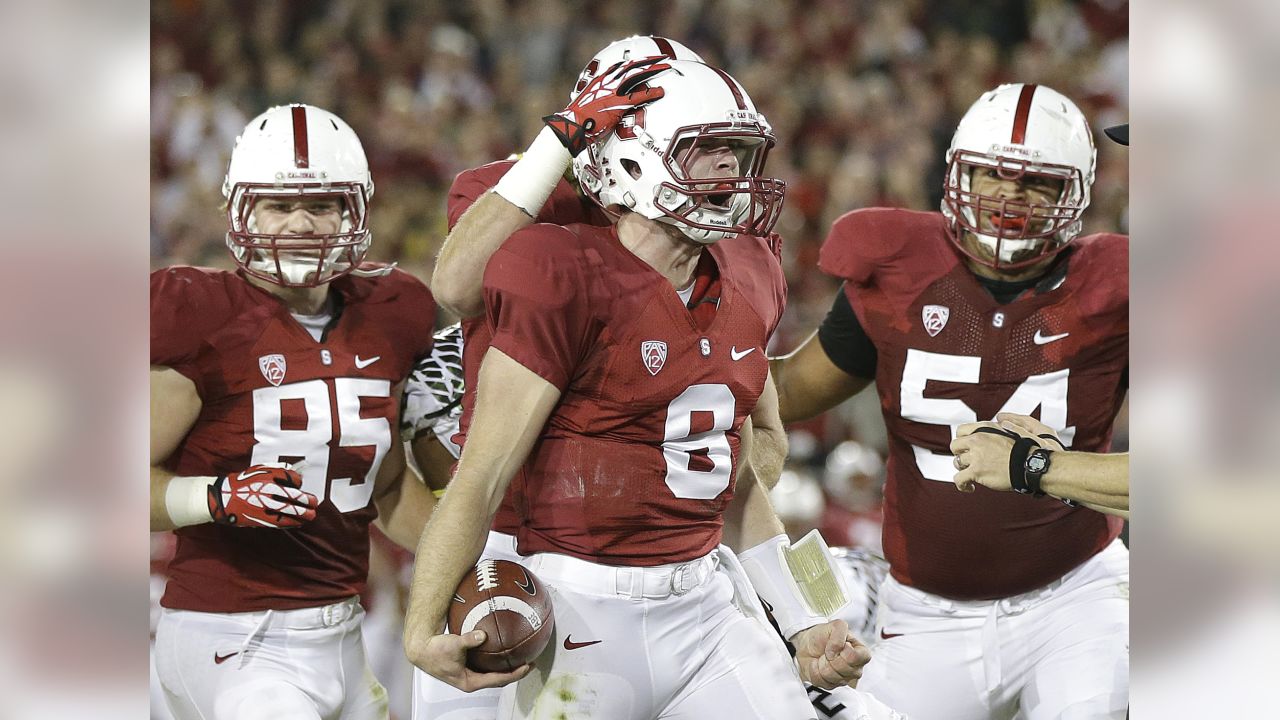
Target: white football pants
663,642
306,664
1059,652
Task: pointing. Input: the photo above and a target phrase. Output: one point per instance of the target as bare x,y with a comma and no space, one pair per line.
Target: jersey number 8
680,442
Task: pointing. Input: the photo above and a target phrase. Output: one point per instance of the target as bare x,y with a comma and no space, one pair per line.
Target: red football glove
602,103
261,496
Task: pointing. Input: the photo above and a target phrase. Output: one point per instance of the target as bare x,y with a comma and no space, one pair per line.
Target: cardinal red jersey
947,354
565,206
270,393
635,464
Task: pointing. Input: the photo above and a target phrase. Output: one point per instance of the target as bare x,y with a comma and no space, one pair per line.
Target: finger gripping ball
511,606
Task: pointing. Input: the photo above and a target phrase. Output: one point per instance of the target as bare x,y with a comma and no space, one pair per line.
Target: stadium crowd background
863,96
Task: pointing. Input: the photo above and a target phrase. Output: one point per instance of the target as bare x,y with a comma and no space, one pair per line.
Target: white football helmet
296,151
642,164
1026,133
631,49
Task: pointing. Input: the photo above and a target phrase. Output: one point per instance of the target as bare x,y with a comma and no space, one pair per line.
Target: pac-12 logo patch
935,318
272,367
654,353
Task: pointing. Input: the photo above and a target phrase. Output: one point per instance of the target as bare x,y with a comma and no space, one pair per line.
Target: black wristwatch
1034,469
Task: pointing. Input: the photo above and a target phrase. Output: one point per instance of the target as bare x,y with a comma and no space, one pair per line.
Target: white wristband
529,182
772,580
187,500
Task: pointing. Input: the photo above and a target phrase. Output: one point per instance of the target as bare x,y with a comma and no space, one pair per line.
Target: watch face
1037,463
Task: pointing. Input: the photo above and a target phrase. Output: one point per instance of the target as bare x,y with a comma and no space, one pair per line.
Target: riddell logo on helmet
742,116
294,174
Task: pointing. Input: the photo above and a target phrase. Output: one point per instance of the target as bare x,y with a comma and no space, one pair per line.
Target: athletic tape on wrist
187,500
529,182
767,569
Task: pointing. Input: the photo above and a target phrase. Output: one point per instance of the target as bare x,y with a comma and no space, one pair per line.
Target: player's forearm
768,454
768,446
451,543
511,205
178,501
159,513
404,512
751,515
1099,480
457,280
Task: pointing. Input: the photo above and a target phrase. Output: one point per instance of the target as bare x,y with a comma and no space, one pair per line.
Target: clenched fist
262,496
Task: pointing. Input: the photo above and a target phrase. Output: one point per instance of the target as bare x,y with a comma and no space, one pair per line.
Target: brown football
513,609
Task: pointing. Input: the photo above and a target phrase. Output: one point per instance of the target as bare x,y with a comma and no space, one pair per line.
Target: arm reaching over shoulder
456,281
523,191
512,405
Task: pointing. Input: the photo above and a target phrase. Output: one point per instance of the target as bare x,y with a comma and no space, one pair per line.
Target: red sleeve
839,256
185,308
566,206
418,315
470,185
535,299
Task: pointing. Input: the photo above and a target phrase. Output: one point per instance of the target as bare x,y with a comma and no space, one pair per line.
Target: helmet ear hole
632,167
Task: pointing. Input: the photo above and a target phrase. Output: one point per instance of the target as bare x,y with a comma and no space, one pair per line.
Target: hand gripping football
513,609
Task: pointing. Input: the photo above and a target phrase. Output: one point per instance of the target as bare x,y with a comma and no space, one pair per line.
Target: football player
629,357
1096,480
483,210
486,205
275,393
996,603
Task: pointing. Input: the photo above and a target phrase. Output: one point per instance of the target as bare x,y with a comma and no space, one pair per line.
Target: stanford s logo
935,318
654,354
272,367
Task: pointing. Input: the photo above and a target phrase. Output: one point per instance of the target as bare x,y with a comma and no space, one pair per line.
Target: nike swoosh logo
362,364
527,585
1045,340
219,659
571,645
733,352
885,636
